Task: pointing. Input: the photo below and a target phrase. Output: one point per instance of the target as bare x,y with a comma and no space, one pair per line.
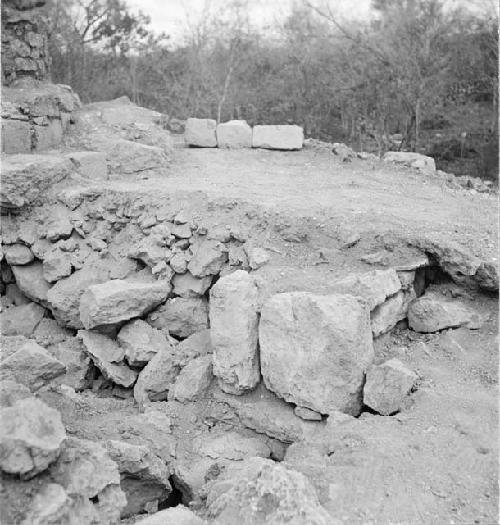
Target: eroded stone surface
278,137
200,132
234,134
193,380
141,342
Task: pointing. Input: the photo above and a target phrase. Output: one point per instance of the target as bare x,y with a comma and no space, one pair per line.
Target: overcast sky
171,15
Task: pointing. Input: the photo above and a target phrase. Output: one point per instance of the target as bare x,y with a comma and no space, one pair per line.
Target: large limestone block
31,435
172,516
18,254
200,132
234,134
186,285
387,385
411,159
234,332
117,300
385,316
278,137
26,177
315,350
208,259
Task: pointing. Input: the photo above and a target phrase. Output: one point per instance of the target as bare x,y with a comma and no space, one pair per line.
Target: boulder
234,134
234,332
387,385
278,137
31,435
114,301
385,316
15,296
196,345
156,379
58,225
431,313
173,516
90,164
208,259
11,392
200,132
31,282
27,177
186,285
179,262
487,276
21,320
315,350
150,251
181,316
31,365
193,380
18,254
140,341
144,476
56,265
411,159
108,358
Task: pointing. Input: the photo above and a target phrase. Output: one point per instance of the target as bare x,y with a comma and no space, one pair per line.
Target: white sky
171,15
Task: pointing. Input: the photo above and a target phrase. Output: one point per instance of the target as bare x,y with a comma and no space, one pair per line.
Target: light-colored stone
186,285
208,259
31,435
108,357
431,313
385,316
21,320
181,316
18,254
11,392
91,164
278,137
196,345
411,159
257,257
234,332
200,132
173,516
315,350
140,341
56,265
117,300
77,362
234,134
31,282
307,414
387,385
31,365
193,380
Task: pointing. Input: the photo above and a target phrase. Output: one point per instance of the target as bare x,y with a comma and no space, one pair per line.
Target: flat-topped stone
200,132
278,137
234,134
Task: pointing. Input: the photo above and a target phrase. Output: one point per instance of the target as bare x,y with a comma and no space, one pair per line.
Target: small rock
387,385
48,332
208,259
59,225
307,414
284,137
200,132
173,516
11,392
15,296
375,258
31,281
196,345
21,320
18,254
140,342
178,263
257,257
487,276
186,285
193,380
181,231
234,134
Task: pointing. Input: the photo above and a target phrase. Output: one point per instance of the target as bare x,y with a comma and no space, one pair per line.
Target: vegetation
418,69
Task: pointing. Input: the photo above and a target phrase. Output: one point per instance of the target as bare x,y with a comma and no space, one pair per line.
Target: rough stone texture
413,160
181,316
156,379
27,177
31,365
16,136
117,300
278,137
196,345
315,350
200,132
373,287
108,357
186,285
234,134
144,476
193,380
31,282
56,265
15,296
257,257
31,435
72,354
385,316
306,414
487,276
259,491
49,135
141,342
387,385
85,470
91,164
11,392
21,320
173,516
431,313
48,332
234,332
18,254
208,259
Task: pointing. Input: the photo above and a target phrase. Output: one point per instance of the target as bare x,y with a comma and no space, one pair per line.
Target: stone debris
385,316
117,300
31,281
430,313
413,160
186,285
234,134
141,342
18,254
181,316
31,435
143,475
257,257
21,320
200,132
193,380
387,386
234,332
31,365
77,362
314,350
278,137
487,276
48,332
208,259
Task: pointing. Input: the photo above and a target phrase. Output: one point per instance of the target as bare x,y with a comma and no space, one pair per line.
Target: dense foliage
417,69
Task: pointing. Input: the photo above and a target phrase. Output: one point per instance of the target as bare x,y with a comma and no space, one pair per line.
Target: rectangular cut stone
16,136
91,164
234,134
200,132
278,137
49,136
